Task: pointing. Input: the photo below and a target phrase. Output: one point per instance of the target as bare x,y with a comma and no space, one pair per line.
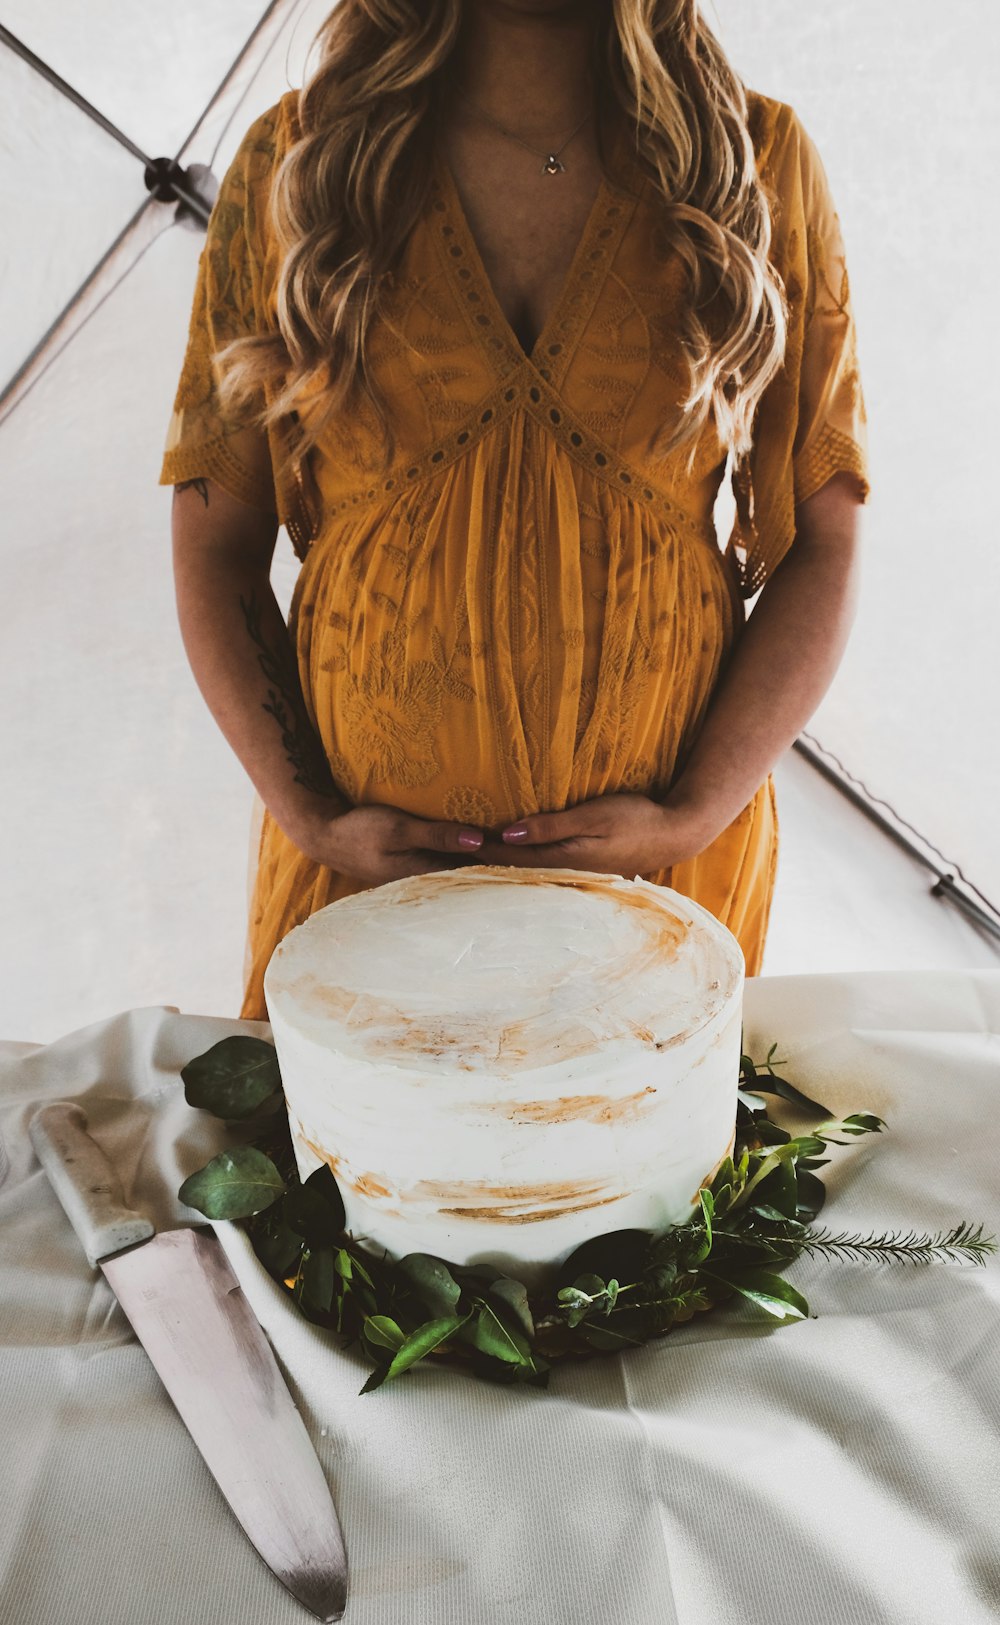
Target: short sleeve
831,428
201,439
810,422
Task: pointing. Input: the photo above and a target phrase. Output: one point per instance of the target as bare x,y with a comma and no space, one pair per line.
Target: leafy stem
966,1241
614,1291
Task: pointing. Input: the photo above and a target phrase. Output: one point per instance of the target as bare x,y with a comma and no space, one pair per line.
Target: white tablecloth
845,1469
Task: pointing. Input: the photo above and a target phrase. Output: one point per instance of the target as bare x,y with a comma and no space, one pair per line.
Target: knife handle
85,1182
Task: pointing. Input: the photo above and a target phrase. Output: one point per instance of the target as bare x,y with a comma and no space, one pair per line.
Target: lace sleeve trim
214,459
831,452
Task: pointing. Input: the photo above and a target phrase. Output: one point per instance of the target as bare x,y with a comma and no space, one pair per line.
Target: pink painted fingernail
516,832
469,838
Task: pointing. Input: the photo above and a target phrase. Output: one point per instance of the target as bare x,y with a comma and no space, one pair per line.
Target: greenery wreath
614,1292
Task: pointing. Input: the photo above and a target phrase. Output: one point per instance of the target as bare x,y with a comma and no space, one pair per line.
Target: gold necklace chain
552,164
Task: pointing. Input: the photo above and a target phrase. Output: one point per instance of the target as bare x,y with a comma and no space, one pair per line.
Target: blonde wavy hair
346,196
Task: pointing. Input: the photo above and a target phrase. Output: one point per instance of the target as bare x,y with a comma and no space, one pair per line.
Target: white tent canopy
123,873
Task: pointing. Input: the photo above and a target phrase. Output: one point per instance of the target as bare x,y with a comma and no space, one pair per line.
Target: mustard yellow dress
525,612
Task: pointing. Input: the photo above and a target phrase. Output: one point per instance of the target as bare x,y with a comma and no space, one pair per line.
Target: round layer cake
499,1063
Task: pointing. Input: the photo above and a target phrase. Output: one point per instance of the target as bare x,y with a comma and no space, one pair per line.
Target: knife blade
190,1314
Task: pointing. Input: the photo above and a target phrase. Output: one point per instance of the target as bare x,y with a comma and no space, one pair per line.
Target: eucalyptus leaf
473,1278
234,1079
432,1282
617,1252
753,1103
234,1185
513,1295
592,1285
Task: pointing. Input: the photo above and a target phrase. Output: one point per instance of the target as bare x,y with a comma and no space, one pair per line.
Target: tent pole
946,884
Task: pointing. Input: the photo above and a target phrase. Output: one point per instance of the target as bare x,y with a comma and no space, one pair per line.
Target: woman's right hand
376,843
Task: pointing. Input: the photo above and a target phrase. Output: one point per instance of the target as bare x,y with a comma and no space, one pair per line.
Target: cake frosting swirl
499,1062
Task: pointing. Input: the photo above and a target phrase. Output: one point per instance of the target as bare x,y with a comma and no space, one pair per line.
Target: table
843,1469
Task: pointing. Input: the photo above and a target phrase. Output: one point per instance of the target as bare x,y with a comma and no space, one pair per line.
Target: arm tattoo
285,704
198,484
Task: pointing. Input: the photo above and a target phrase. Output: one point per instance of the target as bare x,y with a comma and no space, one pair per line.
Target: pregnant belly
457,690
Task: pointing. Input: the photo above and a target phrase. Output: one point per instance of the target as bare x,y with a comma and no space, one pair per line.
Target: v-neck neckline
608,213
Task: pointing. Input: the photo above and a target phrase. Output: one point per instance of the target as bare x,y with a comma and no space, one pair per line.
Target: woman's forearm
780,669
241,655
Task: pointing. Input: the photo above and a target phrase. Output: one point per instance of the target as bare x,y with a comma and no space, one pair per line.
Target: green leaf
764,1077
618,1252
779,1190
864,1123
432,1282
753,1103
770,1292
234,1185
234,1079
722,1196
608,1336
311,1216
425,1340
357,1268
276,1245
592,1285
321,1181
765,1211
769,1083
811,1193
513,1296
489,1333
857,1123
805,1146
376,1379
314,1282
769,1133
384,1332
476,1277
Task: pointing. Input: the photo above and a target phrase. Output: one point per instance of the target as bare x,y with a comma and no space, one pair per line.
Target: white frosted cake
498,1063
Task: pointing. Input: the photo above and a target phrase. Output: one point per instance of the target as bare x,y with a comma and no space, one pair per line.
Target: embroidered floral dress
525,611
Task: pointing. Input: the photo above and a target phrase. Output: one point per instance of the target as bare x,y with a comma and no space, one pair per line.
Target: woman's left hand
624,834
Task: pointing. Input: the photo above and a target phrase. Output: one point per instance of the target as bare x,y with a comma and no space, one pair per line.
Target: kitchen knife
190,1315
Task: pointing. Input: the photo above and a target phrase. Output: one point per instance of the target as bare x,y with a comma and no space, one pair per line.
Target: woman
484,315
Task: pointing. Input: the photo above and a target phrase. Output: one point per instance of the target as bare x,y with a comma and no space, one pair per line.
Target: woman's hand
375,843
623,834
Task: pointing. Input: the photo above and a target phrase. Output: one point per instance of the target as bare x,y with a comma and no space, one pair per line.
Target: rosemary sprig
966,1241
